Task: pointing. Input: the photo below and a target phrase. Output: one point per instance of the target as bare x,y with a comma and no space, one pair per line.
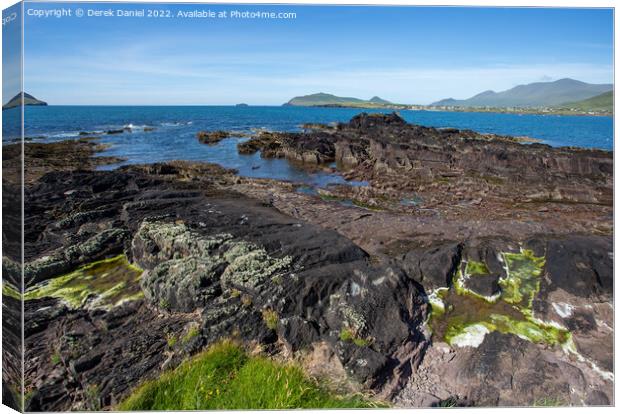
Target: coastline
431,108
429,194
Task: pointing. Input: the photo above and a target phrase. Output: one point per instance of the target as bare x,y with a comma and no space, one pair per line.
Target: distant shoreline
430,108
413,108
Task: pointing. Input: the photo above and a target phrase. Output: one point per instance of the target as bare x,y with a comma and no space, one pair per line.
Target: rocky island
27,99
466,269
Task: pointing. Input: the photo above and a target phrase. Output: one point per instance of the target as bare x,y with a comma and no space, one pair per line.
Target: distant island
28,100
562,97
242,105
329,100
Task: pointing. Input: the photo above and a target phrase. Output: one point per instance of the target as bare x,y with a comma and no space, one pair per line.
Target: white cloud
148,75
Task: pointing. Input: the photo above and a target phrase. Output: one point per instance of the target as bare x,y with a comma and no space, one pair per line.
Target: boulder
433,266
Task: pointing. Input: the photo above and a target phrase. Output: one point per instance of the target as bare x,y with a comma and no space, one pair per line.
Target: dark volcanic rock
110,352
582,266
313,149
317,149
105,244
268,143
218,264
485,285
433,266
366,121
391,153
58,156
229,259
506,370
211,137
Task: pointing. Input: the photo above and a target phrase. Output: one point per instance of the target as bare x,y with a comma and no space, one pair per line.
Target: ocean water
175,131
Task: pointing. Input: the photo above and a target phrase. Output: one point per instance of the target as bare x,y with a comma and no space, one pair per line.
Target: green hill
376,99
538,94
326,99
28,100
599,103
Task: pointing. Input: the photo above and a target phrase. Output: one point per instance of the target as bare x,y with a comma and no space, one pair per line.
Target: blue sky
403,54
11,53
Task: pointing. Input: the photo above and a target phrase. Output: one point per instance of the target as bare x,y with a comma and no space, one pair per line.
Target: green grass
348,335
599,103
366,206
225,377
449,402
55,359
191,333
271,319
549,402
171,340
329,197
92,397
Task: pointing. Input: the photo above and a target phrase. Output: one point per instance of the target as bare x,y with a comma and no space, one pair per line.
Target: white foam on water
132,126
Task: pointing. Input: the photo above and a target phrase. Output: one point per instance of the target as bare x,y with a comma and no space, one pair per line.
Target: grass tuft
549,402
171,340
225,377
348,335
55,359
271,319
192,332
449,402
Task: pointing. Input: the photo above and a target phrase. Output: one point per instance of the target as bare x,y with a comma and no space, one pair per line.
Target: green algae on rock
102,284
10,291
472,269
476,268
522,281
462,317
436,300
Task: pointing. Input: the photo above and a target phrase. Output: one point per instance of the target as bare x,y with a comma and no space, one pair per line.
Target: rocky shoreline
472,269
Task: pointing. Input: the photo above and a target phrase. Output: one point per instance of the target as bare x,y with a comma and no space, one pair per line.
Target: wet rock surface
225,256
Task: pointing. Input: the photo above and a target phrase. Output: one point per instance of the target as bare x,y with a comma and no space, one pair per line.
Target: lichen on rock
182,284
250,265
157,241
353,319
185,269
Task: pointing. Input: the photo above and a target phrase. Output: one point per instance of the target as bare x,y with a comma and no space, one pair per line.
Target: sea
175,128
